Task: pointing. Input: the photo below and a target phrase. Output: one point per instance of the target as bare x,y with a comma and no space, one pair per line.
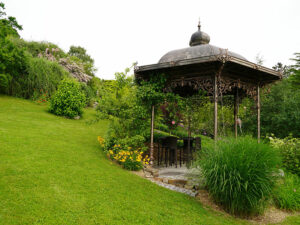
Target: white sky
118,33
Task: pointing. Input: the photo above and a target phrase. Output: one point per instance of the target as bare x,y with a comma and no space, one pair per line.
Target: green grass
52,172
287,193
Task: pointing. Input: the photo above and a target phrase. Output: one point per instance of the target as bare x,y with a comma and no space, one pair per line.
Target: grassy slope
52,172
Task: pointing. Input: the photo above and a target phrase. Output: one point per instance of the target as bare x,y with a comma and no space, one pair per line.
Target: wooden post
236,112
215,108
189,143
152,135
258,113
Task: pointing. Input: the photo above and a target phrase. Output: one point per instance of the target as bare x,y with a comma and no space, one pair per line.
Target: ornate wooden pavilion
212,69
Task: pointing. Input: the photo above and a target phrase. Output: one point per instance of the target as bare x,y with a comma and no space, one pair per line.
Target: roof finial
199,25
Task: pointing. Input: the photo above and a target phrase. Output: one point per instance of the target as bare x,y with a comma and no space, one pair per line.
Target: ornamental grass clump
240,174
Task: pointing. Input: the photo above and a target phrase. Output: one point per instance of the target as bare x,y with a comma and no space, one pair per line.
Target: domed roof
197,52
199,37
199,47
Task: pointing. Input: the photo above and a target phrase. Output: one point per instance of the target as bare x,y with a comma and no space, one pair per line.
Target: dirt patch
271,215
206,200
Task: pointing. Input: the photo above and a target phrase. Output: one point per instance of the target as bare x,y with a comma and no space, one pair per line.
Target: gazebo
214,70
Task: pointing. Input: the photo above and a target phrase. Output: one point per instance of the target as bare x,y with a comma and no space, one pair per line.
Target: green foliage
295,71
68,100
37,49
290,152
190,107
280,105
30,69
150,92
79,54
128,119
89,92
131,158
43,78
239,174
171,114
280,111
4,82
12,59
287,193
8,25
200,111
28,75
96,83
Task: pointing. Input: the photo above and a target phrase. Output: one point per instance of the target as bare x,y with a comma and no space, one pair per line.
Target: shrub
89,93
287,193
131,158
290,152
4,83
239,174
68,100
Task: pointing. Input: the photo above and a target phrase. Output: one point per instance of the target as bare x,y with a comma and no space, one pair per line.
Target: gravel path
175,188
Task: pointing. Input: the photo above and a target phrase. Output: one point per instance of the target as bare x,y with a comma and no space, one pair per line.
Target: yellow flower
101,141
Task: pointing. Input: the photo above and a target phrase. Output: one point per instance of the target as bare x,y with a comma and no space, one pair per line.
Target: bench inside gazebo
214,70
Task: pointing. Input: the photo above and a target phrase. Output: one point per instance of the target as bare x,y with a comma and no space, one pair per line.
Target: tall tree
88,63
295,71
8,25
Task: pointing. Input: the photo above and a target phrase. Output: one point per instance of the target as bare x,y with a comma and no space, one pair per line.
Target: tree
284,69
87,61
295,71
8,25
259,59
128,119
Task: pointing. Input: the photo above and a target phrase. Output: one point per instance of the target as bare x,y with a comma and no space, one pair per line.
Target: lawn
53,172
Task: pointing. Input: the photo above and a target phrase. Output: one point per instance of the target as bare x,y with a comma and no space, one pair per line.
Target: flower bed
130,158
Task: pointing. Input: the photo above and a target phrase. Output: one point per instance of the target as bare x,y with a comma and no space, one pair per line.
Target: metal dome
199,37
197,52
199,47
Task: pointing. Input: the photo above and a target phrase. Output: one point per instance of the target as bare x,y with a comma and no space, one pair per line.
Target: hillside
52,172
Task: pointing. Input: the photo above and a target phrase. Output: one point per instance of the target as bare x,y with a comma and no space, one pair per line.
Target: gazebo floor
179,173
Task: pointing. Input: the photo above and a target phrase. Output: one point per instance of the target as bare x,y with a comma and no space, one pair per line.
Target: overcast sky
118,33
